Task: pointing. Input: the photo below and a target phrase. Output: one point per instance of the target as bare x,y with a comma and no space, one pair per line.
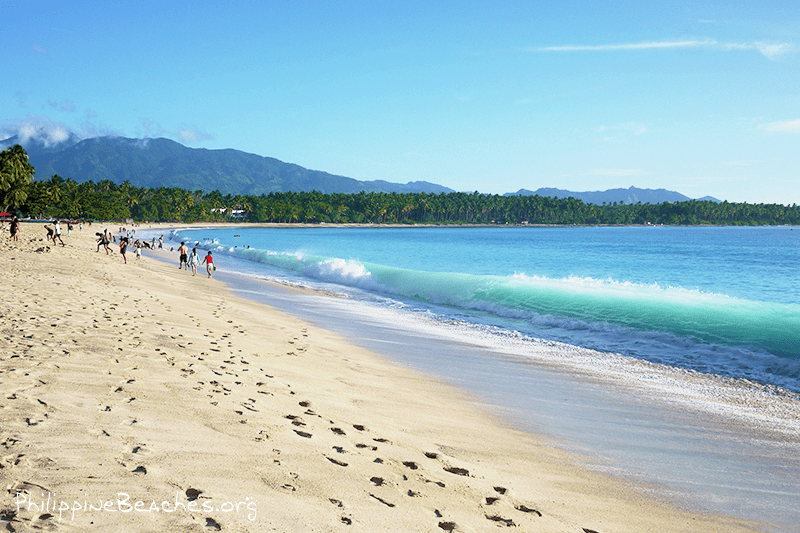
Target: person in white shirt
57,233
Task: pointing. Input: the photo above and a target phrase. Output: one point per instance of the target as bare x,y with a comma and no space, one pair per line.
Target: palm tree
54,189
15,175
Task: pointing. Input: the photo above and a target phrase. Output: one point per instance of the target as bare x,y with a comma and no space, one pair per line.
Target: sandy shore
139,398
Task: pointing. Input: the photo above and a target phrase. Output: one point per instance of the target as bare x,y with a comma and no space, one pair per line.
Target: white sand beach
139,398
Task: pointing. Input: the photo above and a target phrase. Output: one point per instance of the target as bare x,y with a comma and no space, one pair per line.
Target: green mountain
166,163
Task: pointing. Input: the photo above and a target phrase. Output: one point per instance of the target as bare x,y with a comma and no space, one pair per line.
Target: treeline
65,198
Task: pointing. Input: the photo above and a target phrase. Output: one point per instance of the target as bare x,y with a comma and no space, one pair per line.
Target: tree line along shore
106,200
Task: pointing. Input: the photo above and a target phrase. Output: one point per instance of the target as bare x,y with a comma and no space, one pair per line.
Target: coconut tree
15,175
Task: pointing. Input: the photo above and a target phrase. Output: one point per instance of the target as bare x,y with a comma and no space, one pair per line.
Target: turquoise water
718,300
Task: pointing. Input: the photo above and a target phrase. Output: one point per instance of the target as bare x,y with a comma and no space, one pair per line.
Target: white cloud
773,50
784,126
769,50
38,128
191,135
40,50
649,45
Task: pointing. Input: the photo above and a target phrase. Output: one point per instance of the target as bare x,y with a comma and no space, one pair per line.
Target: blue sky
700,98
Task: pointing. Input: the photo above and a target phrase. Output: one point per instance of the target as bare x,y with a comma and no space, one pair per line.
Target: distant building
234,213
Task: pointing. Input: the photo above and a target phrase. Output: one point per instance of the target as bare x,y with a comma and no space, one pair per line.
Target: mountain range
166,163
631,195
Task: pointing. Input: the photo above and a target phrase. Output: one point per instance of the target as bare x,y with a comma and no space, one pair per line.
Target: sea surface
695,327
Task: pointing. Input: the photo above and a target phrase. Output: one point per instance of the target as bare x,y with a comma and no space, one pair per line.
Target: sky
696,97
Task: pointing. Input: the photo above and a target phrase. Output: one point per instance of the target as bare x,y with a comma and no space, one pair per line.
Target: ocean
697,327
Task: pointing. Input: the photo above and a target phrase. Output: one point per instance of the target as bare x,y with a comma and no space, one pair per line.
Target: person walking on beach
57,233
209,262
102,241
184,251
14,229
123,247
194,261
161,242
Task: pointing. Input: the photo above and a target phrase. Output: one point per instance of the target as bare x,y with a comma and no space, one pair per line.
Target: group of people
187,260
192,260
104,239
54,233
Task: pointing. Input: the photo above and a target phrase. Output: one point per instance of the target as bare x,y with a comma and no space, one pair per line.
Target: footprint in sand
506,521
296,420
192,494
335,461
384,502
457,471
526,509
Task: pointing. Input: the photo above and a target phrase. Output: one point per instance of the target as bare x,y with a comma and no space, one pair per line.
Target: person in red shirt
209,262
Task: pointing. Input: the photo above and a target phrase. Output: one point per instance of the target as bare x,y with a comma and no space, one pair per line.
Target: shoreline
135,379
695,457
201,225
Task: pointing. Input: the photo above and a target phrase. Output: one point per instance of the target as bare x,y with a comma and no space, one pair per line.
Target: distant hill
166,163
631,195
